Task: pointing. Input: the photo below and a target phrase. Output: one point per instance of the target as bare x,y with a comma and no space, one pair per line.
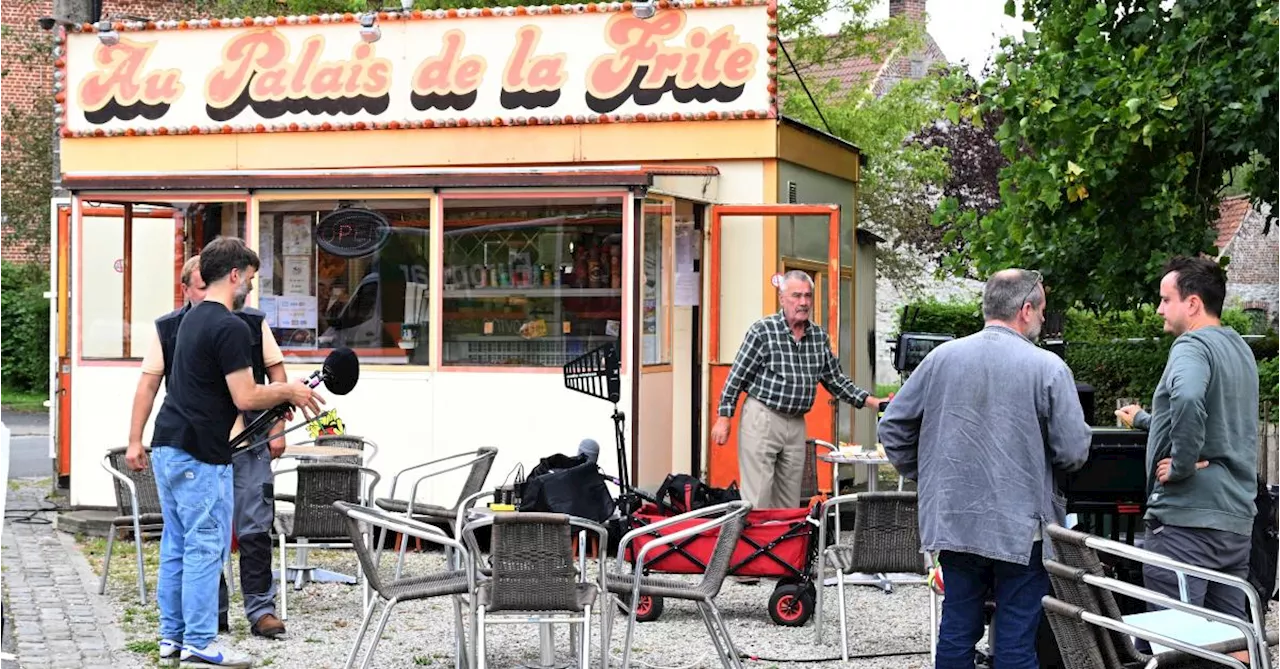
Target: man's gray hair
1007,291
796,274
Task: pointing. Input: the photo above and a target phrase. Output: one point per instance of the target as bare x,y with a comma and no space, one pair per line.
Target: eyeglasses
1027,297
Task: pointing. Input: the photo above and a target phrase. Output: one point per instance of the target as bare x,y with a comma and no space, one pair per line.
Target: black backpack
567,484
683,493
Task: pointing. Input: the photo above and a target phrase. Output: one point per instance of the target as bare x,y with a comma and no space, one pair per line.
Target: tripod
596,373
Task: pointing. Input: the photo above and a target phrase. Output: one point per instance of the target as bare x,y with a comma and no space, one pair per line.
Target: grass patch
21,400
143,647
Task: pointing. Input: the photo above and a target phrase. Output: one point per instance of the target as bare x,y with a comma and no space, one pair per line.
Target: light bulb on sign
369,31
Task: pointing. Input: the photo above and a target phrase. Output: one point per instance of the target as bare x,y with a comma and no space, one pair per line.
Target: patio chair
477,462
1078,578
137,506
534,578
362,524
729,519
886,540
315,522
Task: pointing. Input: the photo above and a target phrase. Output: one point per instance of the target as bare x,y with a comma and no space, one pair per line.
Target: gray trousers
770,456
1218,550
254,513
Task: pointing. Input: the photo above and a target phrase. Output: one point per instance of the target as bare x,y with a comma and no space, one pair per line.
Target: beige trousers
770,456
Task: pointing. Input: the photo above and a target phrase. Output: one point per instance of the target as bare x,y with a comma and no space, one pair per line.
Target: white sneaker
214,655
169,652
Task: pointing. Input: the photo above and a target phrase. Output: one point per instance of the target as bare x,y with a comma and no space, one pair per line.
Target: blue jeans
195,499
1018,590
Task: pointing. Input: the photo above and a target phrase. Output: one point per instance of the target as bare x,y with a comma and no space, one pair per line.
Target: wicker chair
453,582
729,520
1079,580
477,462
534,578
315,522
886,540
137,506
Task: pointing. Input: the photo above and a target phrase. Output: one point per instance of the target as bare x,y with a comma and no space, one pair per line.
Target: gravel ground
324,618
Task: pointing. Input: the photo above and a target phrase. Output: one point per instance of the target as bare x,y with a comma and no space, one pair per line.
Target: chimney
912,10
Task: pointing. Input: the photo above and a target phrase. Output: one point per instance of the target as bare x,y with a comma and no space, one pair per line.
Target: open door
821,420
62,344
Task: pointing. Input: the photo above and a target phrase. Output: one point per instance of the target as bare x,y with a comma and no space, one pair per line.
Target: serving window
530,282
347,273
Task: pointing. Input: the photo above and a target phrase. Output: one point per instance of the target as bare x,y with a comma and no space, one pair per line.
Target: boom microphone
339,374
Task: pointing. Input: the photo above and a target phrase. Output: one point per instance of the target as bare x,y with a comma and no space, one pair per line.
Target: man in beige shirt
254,508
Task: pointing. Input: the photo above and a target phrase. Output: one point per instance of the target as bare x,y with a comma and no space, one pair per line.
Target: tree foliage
974,161
1123,120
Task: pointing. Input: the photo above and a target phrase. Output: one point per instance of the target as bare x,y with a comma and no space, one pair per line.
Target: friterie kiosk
467,198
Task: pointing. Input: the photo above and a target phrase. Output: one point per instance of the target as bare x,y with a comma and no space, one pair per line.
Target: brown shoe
268,626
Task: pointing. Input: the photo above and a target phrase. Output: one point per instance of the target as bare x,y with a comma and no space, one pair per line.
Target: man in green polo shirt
1202,447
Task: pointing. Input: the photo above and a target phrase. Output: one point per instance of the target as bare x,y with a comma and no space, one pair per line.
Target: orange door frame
718,213
62,431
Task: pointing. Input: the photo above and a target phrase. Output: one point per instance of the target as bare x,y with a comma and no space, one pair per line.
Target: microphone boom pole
340,373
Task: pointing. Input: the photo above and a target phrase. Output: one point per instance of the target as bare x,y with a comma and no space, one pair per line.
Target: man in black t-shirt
210,382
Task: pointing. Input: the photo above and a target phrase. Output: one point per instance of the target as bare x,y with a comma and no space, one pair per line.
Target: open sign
352,233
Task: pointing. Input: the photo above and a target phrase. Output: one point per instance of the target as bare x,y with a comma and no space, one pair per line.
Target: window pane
103,303
347,274
531,283
655,305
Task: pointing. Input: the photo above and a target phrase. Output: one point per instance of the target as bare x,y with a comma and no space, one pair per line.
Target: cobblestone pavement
58,620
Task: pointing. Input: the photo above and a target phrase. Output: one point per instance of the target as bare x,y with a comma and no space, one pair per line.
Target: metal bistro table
301,572
872,461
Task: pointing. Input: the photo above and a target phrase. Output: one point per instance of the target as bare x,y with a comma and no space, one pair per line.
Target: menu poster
297,275
267,305
297,235
266,248
688,279
295,312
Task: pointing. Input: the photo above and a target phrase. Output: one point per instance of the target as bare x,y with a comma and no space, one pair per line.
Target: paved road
29,457
28,445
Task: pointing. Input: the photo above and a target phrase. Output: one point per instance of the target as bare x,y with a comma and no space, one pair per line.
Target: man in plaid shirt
781,361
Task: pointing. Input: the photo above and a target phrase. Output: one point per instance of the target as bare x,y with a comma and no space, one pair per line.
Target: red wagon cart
779,544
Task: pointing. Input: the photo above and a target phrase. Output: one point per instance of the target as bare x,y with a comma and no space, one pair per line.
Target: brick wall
1254,257
28,73
1252,281
912,9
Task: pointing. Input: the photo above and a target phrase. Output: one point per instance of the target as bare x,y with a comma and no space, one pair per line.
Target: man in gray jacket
983,425
1202,447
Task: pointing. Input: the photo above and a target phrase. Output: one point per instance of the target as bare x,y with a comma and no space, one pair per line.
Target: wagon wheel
649,609
790,605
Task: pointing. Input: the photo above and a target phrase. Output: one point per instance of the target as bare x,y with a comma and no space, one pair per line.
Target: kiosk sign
563,64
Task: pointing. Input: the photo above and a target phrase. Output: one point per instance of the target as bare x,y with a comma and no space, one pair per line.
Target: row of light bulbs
369,30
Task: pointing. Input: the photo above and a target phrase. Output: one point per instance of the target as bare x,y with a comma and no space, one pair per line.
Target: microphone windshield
341,371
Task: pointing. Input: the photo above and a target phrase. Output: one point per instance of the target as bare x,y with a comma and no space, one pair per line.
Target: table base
300,576
883,581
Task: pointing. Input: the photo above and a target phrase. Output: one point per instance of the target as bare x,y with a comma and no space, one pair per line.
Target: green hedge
1121,355
24,320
